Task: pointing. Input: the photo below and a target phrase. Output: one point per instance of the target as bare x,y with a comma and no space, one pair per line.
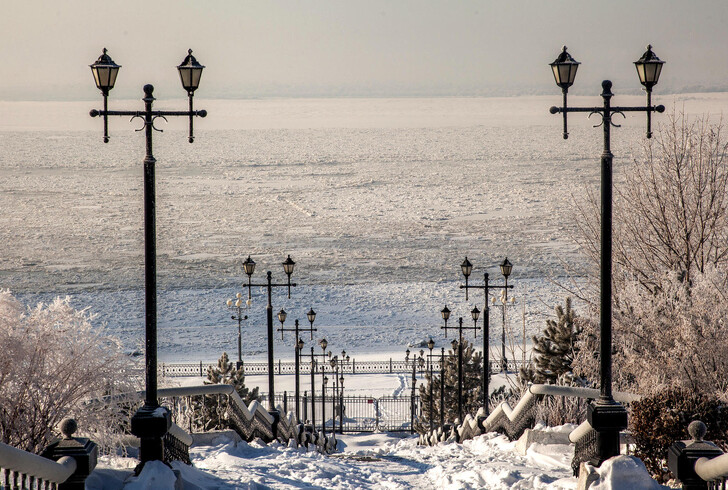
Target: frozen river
377,201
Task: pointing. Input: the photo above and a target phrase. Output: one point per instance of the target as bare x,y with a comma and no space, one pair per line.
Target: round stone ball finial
697,430
68,428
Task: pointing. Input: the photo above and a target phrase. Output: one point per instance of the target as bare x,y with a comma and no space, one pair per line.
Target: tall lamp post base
608,419
150,424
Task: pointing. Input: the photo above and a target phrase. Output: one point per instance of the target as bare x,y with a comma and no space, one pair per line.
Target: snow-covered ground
376,461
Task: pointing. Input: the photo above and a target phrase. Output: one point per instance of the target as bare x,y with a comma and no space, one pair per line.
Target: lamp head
249,266
649,67
190,72
467,267
288,266
445,312
105,71
506,267
564,68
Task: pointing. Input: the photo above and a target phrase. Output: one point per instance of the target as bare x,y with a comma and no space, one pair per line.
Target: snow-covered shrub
52,360
659,420
675,337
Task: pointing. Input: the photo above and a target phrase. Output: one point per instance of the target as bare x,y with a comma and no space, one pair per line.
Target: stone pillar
682,455
83,450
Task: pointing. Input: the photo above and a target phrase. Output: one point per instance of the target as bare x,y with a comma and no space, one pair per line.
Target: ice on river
377,201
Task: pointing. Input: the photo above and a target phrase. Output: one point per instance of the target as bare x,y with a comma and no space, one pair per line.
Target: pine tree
472,388
225,373
555,350
209,413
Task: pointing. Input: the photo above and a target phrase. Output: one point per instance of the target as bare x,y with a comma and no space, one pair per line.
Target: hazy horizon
292,49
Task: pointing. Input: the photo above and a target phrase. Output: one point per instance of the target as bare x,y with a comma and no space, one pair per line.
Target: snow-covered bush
53,360
675,337
659,420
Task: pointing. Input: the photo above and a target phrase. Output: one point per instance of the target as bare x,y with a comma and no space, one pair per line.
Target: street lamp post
467,269
237,308
446,315
249,268
431,345
442,356
607,416
149,423
298,346
314,367
341,402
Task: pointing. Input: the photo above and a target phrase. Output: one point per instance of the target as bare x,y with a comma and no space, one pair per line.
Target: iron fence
390,366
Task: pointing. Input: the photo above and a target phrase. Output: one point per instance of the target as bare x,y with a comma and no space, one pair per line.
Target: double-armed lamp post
298,347
506,268
151,421
445,312
249,268
607,416
237,309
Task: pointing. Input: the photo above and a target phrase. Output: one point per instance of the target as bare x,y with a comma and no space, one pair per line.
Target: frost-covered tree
472,387
52,360
676,337
670,206
209,411
554,351
670,261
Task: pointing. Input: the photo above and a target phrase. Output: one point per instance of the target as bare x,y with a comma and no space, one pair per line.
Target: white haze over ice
377,200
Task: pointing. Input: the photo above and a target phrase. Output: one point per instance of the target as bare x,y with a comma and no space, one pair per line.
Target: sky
357,48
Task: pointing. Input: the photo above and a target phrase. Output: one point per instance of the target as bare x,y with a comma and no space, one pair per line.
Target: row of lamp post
606,416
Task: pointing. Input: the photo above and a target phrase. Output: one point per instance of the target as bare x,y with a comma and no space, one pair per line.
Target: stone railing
514,421
248,421
64,465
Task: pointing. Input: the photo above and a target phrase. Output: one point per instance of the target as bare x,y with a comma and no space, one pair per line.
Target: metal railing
387,366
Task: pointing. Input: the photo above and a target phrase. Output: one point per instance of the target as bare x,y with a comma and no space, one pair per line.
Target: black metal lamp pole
431,345
249,268
150,422
341,402
467,269
324,382
299,345
237,308
446,315
607,416
412,398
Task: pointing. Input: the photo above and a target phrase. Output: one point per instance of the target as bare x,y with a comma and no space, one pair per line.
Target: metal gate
365,413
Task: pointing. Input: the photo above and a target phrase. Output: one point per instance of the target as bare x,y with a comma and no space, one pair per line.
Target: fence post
305,405
353,366
200,369
279,366
285,402
390,365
